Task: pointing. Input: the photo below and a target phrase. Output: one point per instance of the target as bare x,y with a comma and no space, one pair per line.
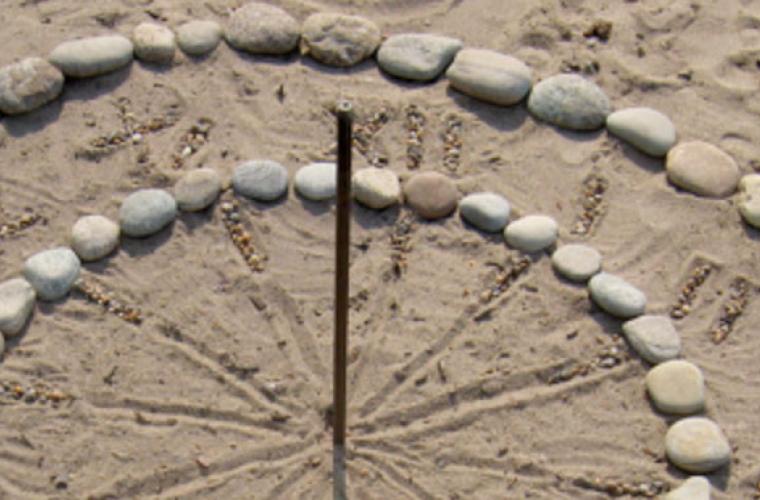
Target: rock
259,28
420,57
702,169
376,188
197,189
531,233
490,76
92,56
198,38
52,273
694,488
676,387
577,262
646,129
486,211
431,195
569,101
261,180
2,346
654,338
16,304
28,85
154,43
146,212
338,39
316,182
94,236
696,444
616,296
749,199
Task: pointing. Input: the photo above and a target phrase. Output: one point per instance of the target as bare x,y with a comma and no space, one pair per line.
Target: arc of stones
564,101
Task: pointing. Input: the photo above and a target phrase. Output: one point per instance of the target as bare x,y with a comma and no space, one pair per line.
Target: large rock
338,39
490,76
28,85
616,296
316,181
487,211
146,212
414,56
654,338
261,180
94,236
646,129
577,262
749,199
197,189
569,101
694,488
697,445
702,169
92,56
260,28
16,304
532,233
52,273
677,387
154,43
376,188
431,195
198,38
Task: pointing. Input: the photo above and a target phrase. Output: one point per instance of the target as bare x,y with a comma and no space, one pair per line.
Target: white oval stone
490,76
154,43
197,38
92,56
531,233
749,199
577,262
316,181
16,304
654,338
694,488
146,212
260,28
487,211
420,57
94,236
696,444
616,296
376,188
646,129
569,101
338,39
261,180
28,85
676,387
702,169
52,273
197,189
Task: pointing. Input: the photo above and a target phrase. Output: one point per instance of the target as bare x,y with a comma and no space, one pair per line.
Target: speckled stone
702,169
676,386
198,38
694,488
490,76
616,296
260,28
577,262
94,236
260,180
431,195
28,85
338,39
92,56
417,56
749,199
17,298
316,181
376,188
197,189
570,101
654,338
486,211
697,445
531,233
52,273
646,129
147,211
154,43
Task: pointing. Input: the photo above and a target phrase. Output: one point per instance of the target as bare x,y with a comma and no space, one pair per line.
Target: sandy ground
222,390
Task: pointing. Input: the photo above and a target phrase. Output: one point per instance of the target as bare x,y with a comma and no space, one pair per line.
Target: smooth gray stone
569,101
316,181
28,85
197,38
577,262
92,56
259,28
94,236
677,387
697,445
52,273
338,39
531,233
17,298
694,488
486,211
420,57
702,169
490,76
376,188
154,43
616,296
261,180
146,212
197,189
646,129
431,195
749,199
654,338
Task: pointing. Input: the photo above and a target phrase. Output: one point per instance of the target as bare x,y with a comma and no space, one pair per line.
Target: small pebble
616,296
197,190
154,43
261,180
577,262
316,181
697,445
654,338
52,273
146,212
676,387
486,211
260,28
198,38
569,101
420,57
376,188
646,129
694,488
702,169
531,233
339,39
431,195
749,199
490,76
28,84
92,56
94,236
16,303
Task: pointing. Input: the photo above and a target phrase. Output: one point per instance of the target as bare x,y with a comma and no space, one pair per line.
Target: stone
146,212
28,84
259,28
316,181
697,445
52,273
376,188
92,56
260,180
569,101
486,211
431,195
749,199
2,346
654,338
94,236
197,189
198,38
490,76
338,39
676,387
694,488
702,169
419,57
577,262
16,303
154,43
531,233
616,296
644,128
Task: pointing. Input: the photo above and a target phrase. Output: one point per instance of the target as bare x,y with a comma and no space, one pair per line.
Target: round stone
28,85
197,189
577,262
420,57
646,129
531,233
486,211
154,43
198,38
259,28
616,296
92,56
490,76
52,273
431,195
676,387
261,180
16,304
749,199
146,212
654,338
338,39
694,488
376,188
94,236
702,169
569,101
696,444
316,182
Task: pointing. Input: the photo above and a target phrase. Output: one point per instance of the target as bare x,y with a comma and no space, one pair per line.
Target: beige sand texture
222,390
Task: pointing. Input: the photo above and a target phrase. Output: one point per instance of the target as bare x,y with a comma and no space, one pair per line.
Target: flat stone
16,303
52,273
431,195
676,387
92,56
654,338
616,296
531,233
694,488
420,57
749,199
702,169
646,129
570,101
338,39
696,444
577,262
259,28
94,236
487,211
316,181
261,180
146,212
154,43
198,38
197,189
490,76
376,188
28,85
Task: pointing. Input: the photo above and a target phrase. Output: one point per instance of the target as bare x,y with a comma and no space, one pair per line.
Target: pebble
261,180
531,233
146,212
338,39
676,387
94,236
702,169
490,76
259,28
577,262
646,129
198,38
420,57
696,444
486,211
92,56
569,101
749,199
16,304
197,189
376,188
28,84
316,181
154,43
616,296
654,338
52,273
694,488
431,195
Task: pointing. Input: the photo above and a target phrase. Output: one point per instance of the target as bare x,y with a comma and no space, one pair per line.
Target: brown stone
702,169
431,195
